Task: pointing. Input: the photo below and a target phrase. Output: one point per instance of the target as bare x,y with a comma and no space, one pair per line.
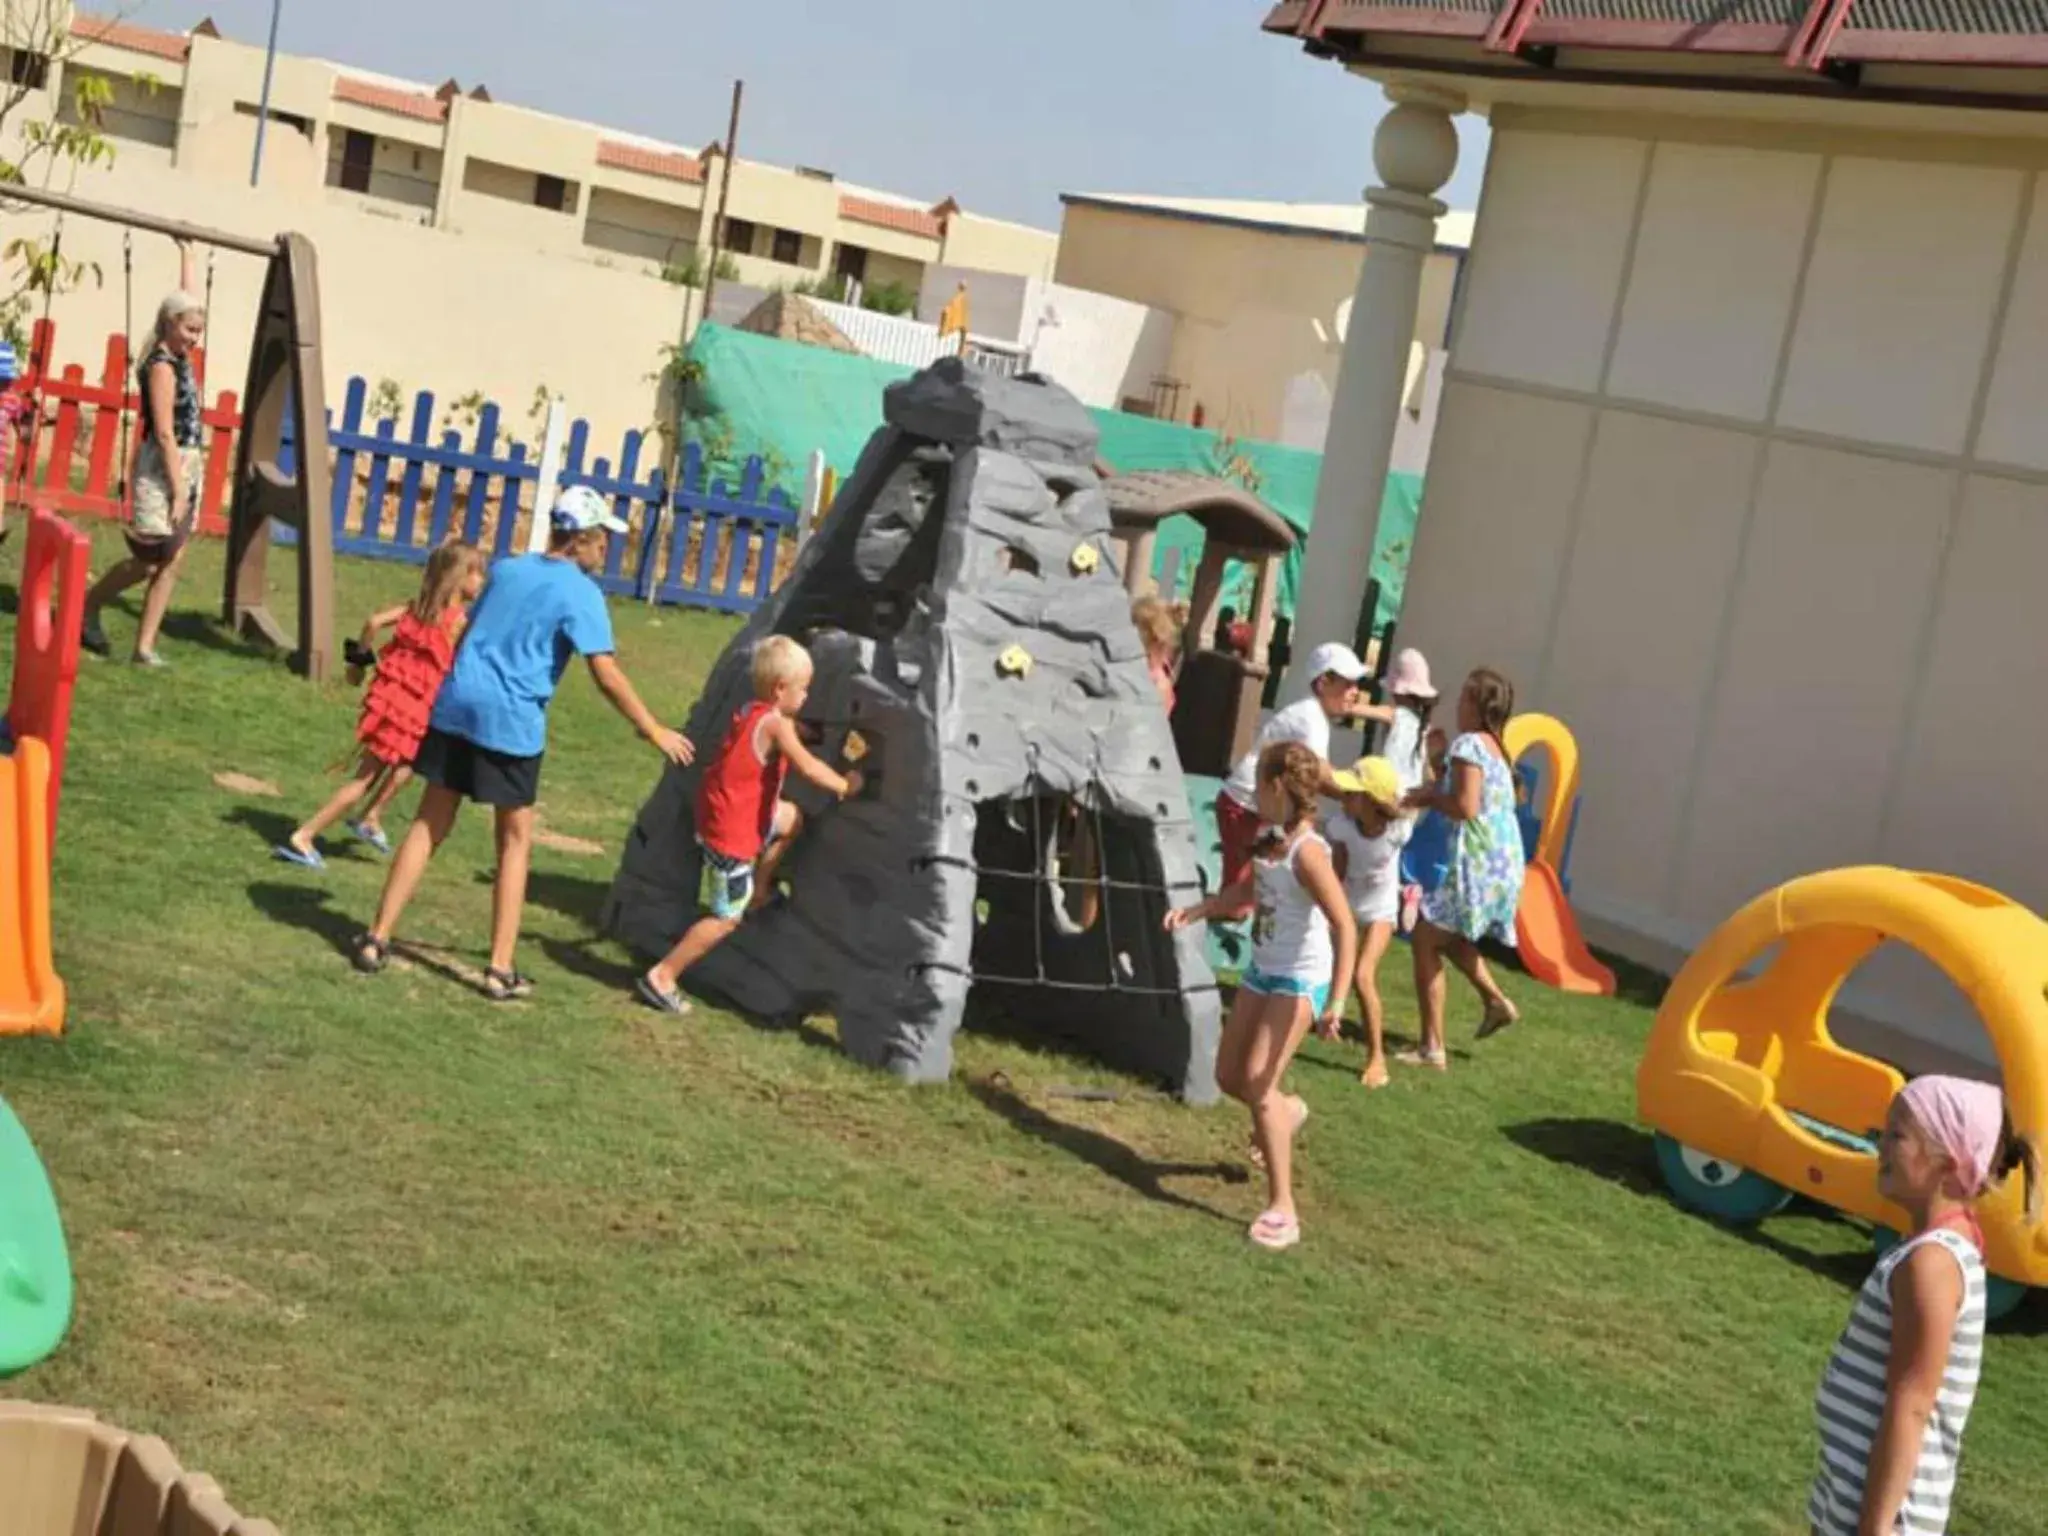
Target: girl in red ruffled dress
400,699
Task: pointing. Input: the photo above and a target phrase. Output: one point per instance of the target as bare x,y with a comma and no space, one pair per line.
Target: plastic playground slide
35,1268
1548,936
31,993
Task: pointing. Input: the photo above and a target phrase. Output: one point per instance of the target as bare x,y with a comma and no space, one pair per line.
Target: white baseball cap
579,509
1332,656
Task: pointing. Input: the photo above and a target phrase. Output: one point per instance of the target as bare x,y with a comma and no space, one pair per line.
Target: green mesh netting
754,395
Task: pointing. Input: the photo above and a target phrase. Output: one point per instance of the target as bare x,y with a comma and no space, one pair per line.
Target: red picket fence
65,457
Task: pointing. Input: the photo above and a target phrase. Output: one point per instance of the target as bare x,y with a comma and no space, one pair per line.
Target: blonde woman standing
164,478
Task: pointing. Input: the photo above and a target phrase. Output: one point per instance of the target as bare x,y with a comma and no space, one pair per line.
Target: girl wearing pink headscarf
1898,1387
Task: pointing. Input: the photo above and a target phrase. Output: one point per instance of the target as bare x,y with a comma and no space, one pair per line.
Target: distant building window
30,71
851,263
789,247
551,192
358,156
739,236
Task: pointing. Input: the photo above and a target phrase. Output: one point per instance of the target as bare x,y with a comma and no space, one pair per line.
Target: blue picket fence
694,544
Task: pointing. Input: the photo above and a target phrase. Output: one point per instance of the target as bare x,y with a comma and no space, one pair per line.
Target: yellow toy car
1753,1101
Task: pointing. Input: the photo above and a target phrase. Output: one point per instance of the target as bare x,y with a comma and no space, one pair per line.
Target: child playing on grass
1479,895
1293,980
1413,746
1367,840
744,826
490,723
399,701
1159,626
1333,695
1898,1387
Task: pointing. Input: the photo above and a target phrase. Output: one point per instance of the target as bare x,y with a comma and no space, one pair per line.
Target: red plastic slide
53,582
1553,949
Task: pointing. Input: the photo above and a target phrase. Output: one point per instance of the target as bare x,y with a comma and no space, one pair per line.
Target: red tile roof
649,162
384,98
120,34
908,221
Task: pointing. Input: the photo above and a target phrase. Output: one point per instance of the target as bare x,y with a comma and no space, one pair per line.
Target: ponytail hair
2018,1154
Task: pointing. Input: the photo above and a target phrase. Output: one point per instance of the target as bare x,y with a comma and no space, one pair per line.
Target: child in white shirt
1366,840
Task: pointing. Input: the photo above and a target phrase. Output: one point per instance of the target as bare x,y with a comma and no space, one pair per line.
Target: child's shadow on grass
306,907
198,629
1626,1157
572,896
1104,1152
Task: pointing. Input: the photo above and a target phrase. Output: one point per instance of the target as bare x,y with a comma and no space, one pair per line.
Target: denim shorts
1317,993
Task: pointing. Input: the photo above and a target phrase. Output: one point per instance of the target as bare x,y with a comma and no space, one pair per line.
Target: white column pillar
1414,153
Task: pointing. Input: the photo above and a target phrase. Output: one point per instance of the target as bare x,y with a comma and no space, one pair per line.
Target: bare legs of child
156,601
375,780
658,985
1259,1041
1373,941
1431,945
439,807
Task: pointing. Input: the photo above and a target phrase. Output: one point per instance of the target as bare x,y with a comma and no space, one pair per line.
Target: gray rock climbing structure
1024,827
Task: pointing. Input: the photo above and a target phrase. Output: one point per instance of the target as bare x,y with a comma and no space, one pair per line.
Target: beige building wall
1740,473
1246,302
425,307
991,245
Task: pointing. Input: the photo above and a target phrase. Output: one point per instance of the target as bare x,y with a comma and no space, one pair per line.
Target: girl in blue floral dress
1483,887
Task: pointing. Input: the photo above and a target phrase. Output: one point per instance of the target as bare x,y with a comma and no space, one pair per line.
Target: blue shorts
730,881
1317,993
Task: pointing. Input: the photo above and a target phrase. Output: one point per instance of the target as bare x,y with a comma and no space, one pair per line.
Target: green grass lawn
384,1258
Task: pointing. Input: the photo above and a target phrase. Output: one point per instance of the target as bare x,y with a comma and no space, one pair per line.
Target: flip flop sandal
1419,1058
289,853
507,986
1496,1020
371,954
374,836
1274,1231
671,1001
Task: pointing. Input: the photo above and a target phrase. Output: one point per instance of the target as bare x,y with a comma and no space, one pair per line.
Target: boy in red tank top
743,824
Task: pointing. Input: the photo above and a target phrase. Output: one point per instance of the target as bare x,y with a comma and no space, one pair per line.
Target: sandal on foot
1496,1020
149,661
1422,1058
305,858
1367,1080
374,836
506,986
93,638
1275,1230
669,1000
371,954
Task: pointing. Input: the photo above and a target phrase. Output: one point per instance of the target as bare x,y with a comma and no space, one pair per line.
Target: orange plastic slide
1548,936
31,993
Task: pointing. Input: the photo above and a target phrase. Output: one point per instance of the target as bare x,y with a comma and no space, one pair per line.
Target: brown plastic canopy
1139,502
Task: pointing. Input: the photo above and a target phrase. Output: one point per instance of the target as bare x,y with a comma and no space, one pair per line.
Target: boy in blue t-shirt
490,723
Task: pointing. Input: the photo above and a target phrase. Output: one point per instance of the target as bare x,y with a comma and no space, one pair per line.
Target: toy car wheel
2001,1296
1715,1187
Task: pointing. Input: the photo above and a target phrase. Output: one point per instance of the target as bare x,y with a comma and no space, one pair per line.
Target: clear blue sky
1002,106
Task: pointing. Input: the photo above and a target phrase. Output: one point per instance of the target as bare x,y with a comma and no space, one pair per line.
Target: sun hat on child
1335,656
580,509
1372,777
1408,677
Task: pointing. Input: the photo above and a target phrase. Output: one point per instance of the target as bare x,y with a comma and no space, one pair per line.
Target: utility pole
263,109
732,143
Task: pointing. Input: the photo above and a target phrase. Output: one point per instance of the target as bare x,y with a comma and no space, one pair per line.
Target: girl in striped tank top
1898,1388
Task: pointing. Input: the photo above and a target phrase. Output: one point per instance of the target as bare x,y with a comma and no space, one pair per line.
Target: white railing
916,344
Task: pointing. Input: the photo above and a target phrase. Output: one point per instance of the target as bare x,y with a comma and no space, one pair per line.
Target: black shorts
157,553
477,773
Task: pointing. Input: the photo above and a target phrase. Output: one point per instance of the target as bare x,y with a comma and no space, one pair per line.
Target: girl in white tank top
1304,944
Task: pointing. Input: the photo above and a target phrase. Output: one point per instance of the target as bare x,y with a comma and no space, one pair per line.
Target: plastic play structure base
63,1473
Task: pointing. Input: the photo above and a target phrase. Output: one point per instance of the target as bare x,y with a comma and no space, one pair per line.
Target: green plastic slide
35,1268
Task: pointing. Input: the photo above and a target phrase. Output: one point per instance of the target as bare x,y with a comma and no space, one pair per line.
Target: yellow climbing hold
1014,662
1086,558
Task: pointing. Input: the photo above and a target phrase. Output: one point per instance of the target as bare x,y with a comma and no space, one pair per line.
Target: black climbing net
1069,882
